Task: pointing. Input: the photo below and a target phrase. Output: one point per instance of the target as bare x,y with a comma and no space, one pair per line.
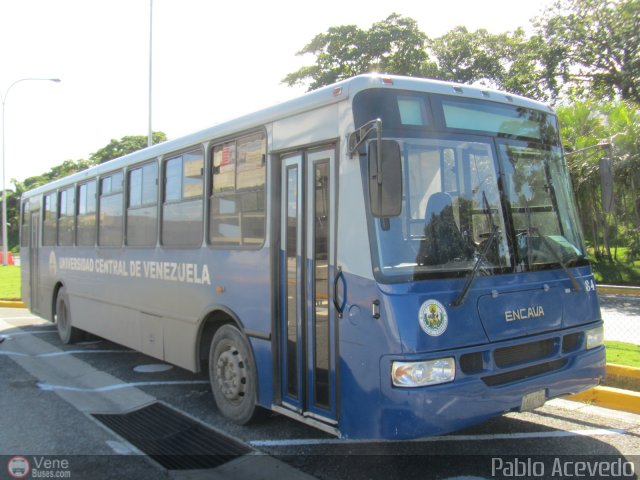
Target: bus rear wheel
67,333
232,375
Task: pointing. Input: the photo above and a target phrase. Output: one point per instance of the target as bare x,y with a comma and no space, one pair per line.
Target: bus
383,258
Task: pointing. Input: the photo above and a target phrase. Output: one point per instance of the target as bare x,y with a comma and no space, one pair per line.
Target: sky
213,60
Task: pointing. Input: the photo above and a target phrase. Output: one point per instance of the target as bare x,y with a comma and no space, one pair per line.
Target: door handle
339,307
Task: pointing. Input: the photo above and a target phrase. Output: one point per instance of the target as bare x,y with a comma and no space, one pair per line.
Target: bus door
34,277
307,266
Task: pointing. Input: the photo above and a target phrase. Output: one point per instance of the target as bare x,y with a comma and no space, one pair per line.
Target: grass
615,272
10,282
623,353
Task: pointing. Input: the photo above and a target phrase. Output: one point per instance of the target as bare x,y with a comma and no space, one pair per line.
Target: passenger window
237,202
110,223
26,221
66,218
182,222
49,219
142,213
86,229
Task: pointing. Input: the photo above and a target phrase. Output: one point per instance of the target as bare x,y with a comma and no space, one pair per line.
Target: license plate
533,400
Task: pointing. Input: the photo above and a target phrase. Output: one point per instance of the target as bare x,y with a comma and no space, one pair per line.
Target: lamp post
5,239
150,131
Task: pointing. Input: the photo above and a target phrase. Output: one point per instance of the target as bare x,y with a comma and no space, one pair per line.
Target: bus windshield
491,194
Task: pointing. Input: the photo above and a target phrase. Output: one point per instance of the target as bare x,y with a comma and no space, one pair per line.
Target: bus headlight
595,337
420,374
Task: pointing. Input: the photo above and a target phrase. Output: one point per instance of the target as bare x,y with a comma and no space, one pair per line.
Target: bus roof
318,98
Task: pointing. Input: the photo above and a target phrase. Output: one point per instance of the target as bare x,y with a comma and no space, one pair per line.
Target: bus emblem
433,318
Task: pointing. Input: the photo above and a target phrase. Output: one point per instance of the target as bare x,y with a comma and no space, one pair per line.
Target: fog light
595,337
420,374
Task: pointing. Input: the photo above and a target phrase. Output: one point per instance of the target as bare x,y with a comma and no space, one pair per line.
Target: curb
623,371
610,397
12,304
618,290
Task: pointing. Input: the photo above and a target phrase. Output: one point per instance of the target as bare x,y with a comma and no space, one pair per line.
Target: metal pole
150,132
5,247
5,239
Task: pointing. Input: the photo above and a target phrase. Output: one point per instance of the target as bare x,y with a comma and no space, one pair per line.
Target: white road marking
34,332
595,432
61,353
122,448
118,386
73,352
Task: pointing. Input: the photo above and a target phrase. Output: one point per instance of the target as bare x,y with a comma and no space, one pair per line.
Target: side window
86,224
49,219
237,202
25,223
182,222
110,219
142,211
66,218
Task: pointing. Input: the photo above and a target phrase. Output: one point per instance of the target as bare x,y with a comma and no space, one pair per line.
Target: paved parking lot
621,315
48,392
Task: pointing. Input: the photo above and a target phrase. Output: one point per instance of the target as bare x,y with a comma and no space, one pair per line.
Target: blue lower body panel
490,380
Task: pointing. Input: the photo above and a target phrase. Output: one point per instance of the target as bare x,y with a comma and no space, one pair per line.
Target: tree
593,47
509,61
127,144
586,124
394,45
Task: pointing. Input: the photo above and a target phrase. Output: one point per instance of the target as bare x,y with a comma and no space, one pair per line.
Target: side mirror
385,178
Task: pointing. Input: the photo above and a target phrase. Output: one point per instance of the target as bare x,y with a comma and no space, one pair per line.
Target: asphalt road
621,315
48,391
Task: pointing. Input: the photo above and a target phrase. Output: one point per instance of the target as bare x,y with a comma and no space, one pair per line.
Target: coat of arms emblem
433,318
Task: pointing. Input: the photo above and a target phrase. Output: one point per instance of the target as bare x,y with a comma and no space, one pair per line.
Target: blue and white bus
386,257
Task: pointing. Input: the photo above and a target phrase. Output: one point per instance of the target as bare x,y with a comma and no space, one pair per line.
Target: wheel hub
230,374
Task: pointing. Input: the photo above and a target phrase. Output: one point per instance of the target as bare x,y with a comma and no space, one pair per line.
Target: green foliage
394,44
594,46
589,123
578,49
616,272
124,146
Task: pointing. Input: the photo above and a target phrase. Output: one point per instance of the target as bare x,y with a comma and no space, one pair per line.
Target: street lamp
5,240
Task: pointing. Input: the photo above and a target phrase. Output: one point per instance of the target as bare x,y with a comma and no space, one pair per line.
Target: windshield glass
540,201
450,208
484,185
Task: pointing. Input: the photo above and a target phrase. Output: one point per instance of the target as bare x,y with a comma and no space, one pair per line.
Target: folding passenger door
307,263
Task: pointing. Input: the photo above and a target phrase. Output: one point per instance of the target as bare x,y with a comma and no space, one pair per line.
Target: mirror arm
359,136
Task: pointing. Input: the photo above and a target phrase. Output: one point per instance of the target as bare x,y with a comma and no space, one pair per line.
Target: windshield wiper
556,255
534,230
483,254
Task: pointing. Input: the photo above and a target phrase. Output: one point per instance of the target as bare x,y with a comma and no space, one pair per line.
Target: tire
67,333
232,375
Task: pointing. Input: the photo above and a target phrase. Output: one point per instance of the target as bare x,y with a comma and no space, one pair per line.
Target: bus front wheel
68,334
232,375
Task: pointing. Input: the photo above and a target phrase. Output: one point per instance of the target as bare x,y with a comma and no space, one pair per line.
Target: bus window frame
162,189
100,195
210,193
